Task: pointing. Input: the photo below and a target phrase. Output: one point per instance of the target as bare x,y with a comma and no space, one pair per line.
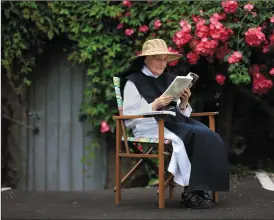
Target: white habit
134,103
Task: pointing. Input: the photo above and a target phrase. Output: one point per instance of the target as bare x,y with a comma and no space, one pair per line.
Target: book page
194,78
179,84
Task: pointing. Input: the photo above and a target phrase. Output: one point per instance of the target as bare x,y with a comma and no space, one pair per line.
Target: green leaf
27,82
50,34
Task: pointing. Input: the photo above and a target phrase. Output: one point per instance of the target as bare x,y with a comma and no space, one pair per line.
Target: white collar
147,72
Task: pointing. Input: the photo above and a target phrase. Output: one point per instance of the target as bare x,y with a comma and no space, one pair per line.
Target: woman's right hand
160,102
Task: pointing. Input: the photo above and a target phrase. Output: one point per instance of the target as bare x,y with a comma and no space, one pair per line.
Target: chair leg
161,171
118,180
167,182
161,184
215,196
118,164
170,191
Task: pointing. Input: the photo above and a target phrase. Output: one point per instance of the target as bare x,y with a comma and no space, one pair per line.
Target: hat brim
171,56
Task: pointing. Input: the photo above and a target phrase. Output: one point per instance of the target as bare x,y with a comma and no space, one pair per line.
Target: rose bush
229,32
231,37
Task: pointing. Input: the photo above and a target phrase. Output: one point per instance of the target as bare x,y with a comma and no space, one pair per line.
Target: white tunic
134,103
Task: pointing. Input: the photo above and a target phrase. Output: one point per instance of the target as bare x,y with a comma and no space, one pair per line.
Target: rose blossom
186,27
127,14
235,57
261,85
180,38
192,57
206,47
196,18
201,29
140,147
104,127
127,3
272,19
218,31
174,62
157,24
271,38
265,49
229,6
248,7
254,69
254,36
120,26
129,32
254,14
193,43
143,28
219,16
220,79
222,51
271,72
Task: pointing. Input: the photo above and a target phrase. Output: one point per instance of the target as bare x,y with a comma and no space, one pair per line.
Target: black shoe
197,200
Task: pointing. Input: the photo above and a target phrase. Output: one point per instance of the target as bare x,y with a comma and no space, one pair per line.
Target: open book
179,84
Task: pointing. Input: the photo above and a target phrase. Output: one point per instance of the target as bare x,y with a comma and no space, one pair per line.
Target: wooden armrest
122,117
204,114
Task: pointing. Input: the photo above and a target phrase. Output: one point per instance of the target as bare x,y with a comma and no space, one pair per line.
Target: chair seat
146,140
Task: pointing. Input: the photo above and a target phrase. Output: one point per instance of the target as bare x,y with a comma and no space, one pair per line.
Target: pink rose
157,24
248,7
265,49
261,85
235,57
222,51
120,26
271,72
129,32
143,28
186,27
229,6
254,69
174,62
220,79
254,36
272,19
127,3
104,127
192,57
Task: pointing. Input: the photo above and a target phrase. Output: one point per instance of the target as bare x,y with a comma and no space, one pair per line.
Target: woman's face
156,63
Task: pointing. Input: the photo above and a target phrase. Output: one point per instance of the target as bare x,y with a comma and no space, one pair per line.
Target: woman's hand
184,96
160,102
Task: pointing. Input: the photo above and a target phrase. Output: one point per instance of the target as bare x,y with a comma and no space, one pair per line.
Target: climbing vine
105,34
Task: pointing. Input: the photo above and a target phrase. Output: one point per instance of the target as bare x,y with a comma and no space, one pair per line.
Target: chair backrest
116,81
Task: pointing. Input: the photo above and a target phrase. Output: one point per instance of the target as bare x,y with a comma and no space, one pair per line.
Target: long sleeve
133,101
185,112
133,104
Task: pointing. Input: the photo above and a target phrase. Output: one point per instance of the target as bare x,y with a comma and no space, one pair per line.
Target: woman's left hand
184,96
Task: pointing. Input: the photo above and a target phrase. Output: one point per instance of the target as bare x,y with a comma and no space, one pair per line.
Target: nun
199,160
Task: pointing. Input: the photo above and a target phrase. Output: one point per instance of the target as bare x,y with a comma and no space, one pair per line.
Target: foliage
105,34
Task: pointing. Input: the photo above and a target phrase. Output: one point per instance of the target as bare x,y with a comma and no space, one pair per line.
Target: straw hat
156,47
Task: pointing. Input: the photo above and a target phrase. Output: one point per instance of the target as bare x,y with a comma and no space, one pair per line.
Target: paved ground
246,200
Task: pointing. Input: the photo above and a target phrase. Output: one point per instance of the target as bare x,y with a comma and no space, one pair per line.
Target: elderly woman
199,159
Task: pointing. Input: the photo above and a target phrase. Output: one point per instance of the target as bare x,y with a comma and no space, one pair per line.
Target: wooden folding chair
133,152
